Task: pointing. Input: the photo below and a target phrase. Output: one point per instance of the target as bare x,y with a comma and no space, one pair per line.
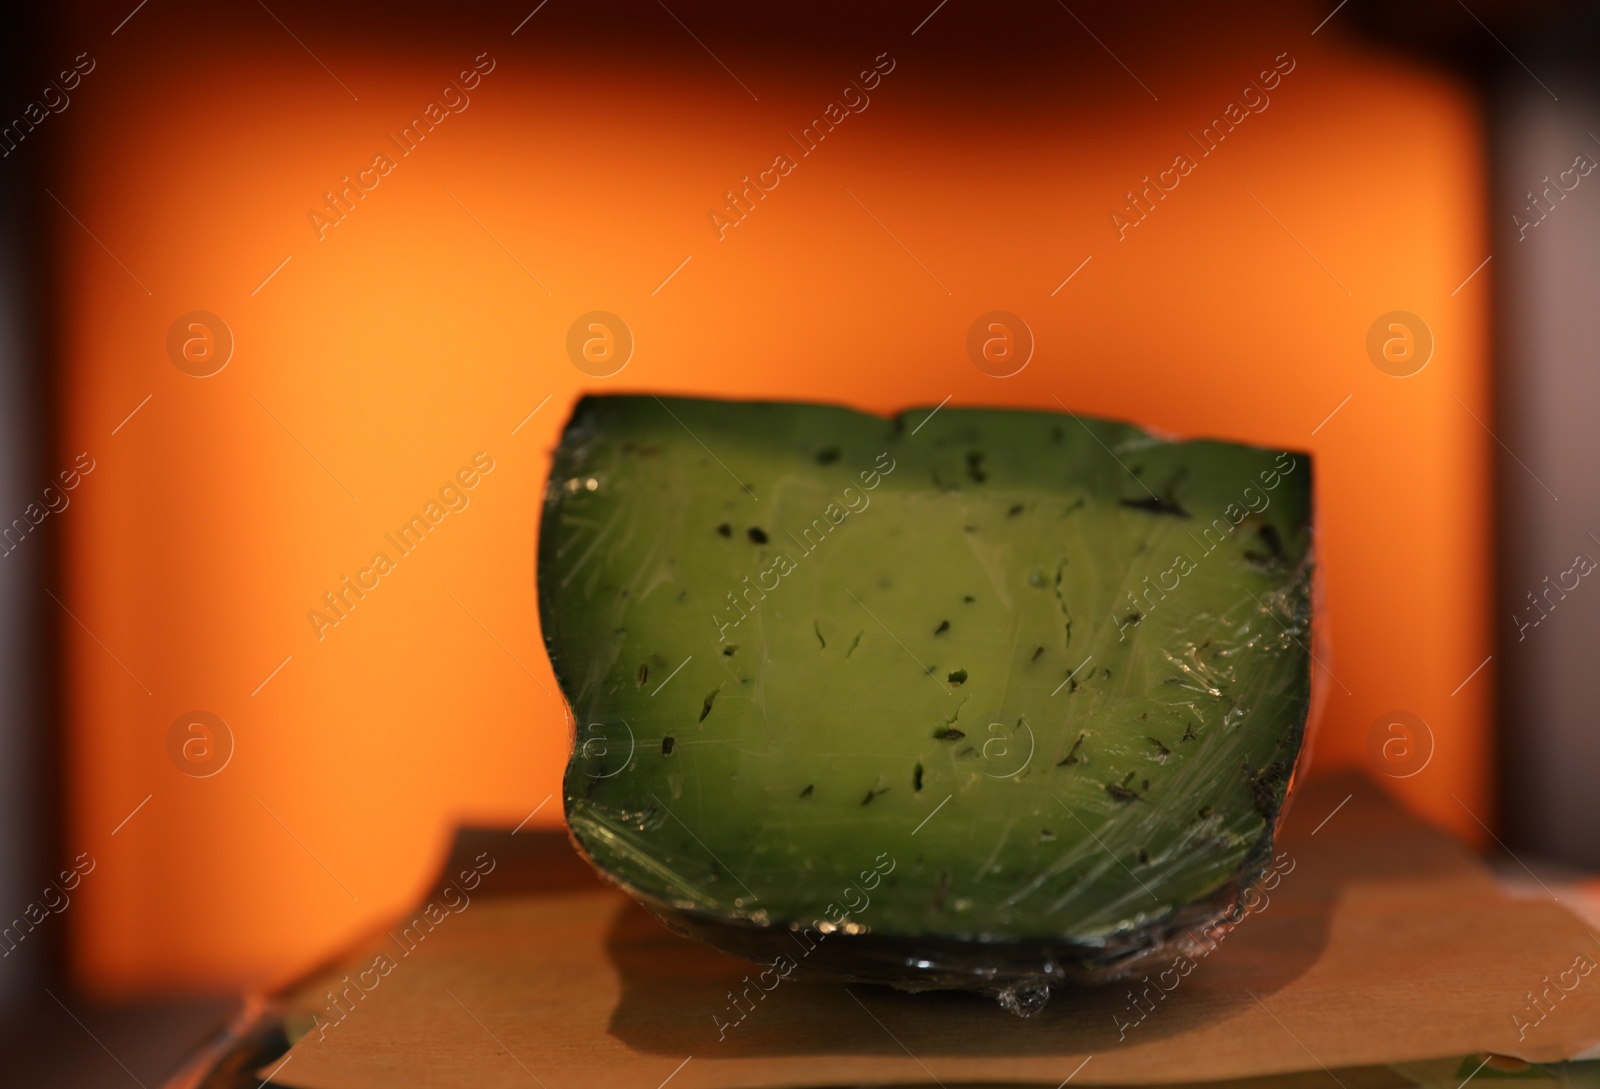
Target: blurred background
271,274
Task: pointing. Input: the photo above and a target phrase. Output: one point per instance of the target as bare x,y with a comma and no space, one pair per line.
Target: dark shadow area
82,1045
538,861
677,995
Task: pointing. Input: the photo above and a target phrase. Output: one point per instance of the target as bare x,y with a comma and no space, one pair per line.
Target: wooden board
1382,942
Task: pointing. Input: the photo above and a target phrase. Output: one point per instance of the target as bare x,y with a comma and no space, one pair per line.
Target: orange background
409,339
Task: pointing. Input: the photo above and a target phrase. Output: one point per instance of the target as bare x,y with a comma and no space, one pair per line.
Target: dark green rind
1055,871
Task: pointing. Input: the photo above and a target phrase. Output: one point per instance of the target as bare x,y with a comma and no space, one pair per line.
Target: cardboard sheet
1381,942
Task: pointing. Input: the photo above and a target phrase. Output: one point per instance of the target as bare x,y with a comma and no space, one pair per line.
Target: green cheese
973,698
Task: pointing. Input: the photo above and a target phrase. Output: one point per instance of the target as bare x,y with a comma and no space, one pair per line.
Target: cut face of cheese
988,698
